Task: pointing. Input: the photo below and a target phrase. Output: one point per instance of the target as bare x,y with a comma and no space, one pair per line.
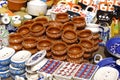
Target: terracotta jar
17,46
15,38
62,17
79,22
29,42
16,5
69,36
44,44
87,45
53,32
85,34
69,25
75,51
59,48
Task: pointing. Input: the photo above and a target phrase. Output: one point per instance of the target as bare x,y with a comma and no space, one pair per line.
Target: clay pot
69,25
75,60
59,48
44,44
62,17
42,20
32,50
53,32
16,5
79,22
54,24
85,34
24,30
61,58
15,38
75,51
87,55
87,45
29,42
28,22
16,47
69,36
96,35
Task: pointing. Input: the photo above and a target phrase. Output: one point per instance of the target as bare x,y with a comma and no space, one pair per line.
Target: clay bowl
28,22
24,30
53,32
74,60
59,48
32,50
36,27
54,24
75,51
16,47
44,44
69,36
61,58
62,17
69,25
42,20
29,42
79,22
85,34
15,38
87,45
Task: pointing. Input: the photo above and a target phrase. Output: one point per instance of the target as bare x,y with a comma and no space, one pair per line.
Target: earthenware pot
28,22
55,24
69,25
42,20
16,47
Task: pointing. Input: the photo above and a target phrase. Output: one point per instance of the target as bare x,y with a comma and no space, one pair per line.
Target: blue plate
113,46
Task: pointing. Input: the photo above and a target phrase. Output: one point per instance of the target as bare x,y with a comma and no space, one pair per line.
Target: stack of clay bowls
75,53
59,50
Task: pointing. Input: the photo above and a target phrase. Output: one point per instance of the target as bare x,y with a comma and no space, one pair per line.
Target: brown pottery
69,25
17,47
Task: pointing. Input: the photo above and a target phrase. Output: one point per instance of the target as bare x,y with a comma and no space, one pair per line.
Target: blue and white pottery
16,71
5,54
113,46
18,60
3,68
22,75
36,58
5,74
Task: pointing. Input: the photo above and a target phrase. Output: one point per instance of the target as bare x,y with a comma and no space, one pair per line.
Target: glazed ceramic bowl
62,17
15,38
4,74
42,20
85,34
4,68
16,47
69,25
18,60
16,71
113,46
53,32
44,44
69,36
29,42
59,48
5,54
55,24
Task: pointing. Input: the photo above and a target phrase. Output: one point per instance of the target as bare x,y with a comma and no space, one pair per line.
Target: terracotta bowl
44,44
53,32
85,34
42,20
69,36
79,22
62,17
59,48
24,30
28,22
88,44
15,38
54,24
29,42
37,27
87,56
61,58
32,50
17,46
75,60
75,51
69,25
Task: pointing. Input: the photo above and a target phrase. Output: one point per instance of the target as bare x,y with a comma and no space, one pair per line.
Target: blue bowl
113,46
16,71
3,68
5,74
18,65
5,62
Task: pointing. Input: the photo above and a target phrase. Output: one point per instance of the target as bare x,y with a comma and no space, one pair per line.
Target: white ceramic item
36,58
36,7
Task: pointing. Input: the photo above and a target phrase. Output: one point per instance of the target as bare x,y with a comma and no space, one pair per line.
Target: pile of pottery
63,39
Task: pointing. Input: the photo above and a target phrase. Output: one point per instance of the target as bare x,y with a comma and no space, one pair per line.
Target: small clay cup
53,32
79,22
28,22
69,25
42,20
69,36
54,24
15,38
17,46
59,48
62,17
85,34
44,44
75,60
61,58
29,42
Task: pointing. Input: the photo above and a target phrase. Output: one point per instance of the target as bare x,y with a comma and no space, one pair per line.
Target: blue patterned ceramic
21,75
16,71
5,74
18,60
3,68
113,46
5,54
